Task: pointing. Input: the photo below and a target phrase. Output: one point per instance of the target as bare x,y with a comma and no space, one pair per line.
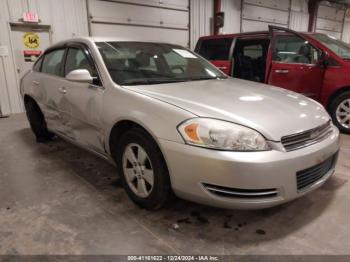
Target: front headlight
222,135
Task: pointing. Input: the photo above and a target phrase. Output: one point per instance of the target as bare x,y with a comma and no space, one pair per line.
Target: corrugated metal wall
202,14
330,19
299,16
67,18
201,19
149,20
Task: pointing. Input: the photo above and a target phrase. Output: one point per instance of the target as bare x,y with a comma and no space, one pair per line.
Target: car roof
253,33
92,40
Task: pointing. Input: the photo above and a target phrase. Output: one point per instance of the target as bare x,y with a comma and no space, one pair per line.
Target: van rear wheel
340,112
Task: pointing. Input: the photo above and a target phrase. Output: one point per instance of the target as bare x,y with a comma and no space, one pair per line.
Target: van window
253,51
293,49
215,49
52,63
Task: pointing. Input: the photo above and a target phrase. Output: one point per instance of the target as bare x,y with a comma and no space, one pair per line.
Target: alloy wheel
138,170
343,113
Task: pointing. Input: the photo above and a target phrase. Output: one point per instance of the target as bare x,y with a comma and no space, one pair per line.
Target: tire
37,121
136,144
340,111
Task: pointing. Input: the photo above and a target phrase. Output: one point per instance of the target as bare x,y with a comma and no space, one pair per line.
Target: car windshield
339,47
139,63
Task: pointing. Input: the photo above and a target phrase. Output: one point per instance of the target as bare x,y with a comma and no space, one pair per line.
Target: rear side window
215,49
52,63
37,65
253,51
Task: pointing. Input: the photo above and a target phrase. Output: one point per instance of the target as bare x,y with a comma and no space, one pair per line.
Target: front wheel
143,170
340,112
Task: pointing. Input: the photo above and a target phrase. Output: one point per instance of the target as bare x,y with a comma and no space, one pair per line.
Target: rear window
215,49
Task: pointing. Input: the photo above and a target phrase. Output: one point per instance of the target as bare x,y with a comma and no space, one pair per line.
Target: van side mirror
323,59
80,75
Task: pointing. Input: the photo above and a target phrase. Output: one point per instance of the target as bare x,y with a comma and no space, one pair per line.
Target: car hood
272,111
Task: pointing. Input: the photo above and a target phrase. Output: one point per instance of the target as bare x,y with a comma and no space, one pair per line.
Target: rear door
218,51
294,63
49,82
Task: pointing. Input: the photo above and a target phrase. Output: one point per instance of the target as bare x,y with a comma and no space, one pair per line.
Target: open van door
294,63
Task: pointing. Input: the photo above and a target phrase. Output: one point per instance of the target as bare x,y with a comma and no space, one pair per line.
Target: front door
29,41
84,101
295,64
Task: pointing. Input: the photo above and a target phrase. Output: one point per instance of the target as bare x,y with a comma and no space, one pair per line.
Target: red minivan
313,64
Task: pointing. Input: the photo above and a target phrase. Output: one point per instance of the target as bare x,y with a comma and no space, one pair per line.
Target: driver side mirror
80,75
323,59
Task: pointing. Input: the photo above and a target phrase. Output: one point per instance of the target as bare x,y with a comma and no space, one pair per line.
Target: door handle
282,71
35,82
62,90
222,67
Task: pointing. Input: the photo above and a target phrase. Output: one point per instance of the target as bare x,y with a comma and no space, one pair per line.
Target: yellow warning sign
31,40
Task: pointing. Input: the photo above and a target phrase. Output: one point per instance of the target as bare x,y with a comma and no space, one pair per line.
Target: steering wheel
177,67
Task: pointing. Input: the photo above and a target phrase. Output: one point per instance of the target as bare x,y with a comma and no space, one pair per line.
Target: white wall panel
330,19
278,4
67,18
251,12
232,9
173,4
299,21
299,15
148,20
146,34
346,33
201,19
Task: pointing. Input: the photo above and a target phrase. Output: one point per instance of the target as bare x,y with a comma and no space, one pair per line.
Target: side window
253,51
77,59
215,49
37,65
52,63
293,49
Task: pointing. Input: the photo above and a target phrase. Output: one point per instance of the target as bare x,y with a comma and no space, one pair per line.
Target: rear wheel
340,112
143,170
37,121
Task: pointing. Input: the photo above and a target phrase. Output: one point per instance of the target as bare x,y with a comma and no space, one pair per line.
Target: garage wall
330,19
201,22
299,15
67,18
346,28
151,20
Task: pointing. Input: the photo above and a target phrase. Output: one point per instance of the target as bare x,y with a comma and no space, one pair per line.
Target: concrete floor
58,199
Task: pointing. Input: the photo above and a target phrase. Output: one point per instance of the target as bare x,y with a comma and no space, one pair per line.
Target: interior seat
244,67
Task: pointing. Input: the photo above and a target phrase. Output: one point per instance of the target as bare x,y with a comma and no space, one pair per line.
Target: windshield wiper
150,81
207,78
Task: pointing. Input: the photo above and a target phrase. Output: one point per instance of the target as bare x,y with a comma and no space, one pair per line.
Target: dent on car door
52,92
294,63
84,102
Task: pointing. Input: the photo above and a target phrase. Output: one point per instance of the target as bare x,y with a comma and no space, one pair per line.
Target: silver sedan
173,123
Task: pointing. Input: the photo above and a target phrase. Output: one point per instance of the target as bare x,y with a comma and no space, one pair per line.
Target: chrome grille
310,176
241,193
306,138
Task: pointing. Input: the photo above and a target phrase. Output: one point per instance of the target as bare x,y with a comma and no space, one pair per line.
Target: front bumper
192,168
